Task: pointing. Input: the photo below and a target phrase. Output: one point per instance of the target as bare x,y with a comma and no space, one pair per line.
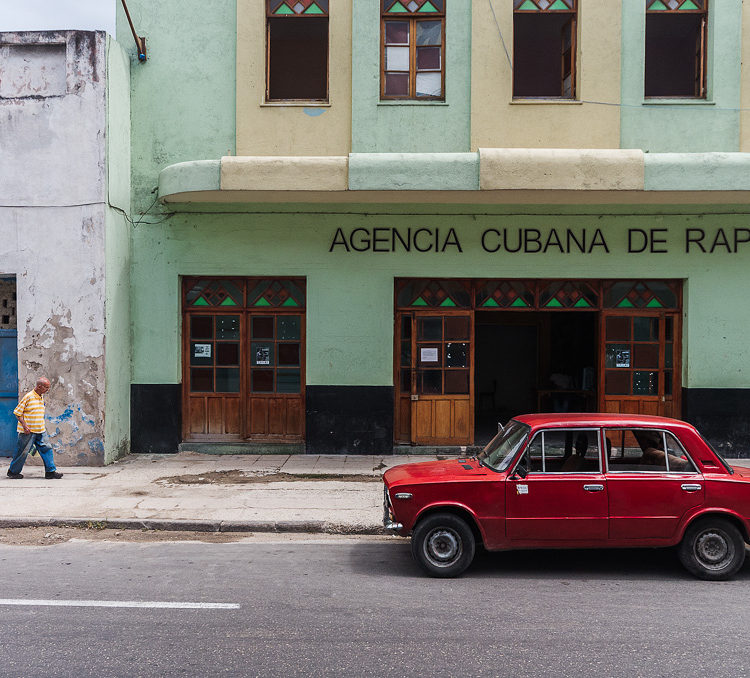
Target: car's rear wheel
443,544
712,549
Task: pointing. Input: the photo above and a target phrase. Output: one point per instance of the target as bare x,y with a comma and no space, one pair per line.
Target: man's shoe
15,476
53,475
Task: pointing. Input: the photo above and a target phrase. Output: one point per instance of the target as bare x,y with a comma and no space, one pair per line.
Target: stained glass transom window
505,294
675,5
568,294
641,294
434,294
215,293
297,7
544,5
413,6
276,293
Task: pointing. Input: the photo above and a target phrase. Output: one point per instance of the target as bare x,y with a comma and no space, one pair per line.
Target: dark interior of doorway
532,362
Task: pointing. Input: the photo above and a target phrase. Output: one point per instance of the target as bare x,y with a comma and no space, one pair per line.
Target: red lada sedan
576,481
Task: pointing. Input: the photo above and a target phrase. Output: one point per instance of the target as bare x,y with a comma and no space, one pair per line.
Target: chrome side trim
403,495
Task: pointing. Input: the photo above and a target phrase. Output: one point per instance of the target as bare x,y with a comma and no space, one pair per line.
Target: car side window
563,451
646,450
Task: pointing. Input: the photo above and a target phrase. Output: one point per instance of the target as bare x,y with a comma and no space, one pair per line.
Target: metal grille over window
413,49
8,304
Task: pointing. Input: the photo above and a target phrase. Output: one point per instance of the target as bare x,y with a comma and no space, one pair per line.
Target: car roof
585,419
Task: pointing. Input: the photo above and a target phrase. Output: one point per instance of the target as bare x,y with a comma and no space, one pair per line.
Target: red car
576,481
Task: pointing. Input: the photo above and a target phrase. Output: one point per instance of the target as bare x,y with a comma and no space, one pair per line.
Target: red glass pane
397,84
201,327
617,383
262,381
457,381
396,32
288,354
428,58
201,379
618,329
263,328
456,328
646,355
227,354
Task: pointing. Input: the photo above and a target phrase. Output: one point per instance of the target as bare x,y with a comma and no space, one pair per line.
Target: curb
299,526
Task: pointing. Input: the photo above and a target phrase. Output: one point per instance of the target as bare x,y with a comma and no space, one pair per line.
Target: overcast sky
33,15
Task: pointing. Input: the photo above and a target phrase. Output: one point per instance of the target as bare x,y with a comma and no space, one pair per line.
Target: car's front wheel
713,549
443,544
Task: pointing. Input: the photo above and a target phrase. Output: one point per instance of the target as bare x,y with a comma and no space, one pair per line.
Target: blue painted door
8,391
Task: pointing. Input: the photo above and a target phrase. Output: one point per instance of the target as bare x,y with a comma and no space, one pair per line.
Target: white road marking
120,603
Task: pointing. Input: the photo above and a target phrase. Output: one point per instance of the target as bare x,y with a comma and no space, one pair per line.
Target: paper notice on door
202,350
428,355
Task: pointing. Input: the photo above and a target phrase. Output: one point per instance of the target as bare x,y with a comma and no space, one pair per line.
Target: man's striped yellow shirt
31,408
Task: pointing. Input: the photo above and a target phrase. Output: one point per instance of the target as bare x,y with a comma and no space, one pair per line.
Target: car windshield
500,451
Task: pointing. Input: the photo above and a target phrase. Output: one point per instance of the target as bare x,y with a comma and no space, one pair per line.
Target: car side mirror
520,471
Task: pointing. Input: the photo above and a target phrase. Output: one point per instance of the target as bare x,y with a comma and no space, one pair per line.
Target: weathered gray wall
52,224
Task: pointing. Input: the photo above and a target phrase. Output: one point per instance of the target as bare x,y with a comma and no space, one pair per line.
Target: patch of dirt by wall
237,477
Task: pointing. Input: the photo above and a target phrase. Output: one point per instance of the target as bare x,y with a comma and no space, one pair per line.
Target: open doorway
532,362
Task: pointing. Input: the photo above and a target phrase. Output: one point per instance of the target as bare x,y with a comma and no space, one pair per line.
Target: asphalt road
360,607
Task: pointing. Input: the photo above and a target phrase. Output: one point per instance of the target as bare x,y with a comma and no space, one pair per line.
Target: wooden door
275,381
435,389
212,384
639,364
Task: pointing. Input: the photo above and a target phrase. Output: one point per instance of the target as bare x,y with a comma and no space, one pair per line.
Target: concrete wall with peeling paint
53,211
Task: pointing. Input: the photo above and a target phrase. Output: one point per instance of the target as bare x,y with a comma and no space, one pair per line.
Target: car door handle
690,487
593,488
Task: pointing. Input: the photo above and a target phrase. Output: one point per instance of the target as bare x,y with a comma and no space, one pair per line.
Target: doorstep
243,448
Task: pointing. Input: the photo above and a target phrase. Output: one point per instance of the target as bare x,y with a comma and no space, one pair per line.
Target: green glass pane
625,303
290,302
262,302
420,302
518,303
582,303
491,302
658,6
553,303
689,5
313,9
529,5
228,302
559,4
654,303
397,8
284,9
428,7
201,302
448,302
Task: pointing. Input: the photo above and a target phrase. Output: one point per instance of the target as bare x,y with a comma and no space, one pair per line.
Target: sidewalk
204,492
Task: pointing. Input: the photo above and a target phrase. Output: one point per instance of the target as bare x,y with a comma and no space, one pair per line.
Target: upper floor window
413,49
297,50
676,48
544,48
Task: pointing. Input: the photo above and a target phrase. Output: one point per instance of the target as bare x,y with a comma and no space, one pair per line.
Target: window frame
701,88
295,17
573,14
664,433
540,433
412,18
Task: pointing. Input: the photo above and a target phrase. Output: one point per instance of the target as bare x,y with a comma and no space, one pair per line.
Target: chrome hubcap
714,549
443,547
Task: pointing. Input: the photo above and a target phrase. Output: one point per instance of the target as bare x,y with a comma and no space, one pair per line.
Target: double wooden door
639,364
244,375
435,377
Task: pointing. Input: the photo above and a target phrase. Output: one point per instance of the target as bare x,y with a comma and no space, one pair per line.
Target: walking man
31,431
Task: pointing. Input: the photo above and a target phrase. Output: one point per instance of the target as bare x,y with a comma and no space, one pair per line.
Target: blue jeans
42,445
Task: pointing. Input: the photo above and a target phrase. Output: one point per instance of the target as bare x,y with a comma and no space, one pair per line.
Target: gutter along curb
159,524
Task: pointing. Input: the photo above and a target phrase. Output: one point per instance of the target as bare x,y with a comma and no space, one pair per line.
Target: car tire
443,544
712,549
